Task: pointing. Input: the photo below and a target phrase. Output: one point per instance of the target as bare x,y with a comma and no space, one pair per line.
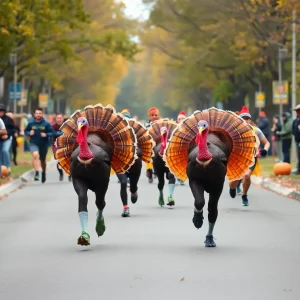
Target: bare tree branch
183,17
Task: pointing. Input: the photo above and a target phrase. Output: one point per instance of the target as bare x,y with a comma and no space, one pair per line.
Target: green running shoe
100,227
171,201
84,239
161,200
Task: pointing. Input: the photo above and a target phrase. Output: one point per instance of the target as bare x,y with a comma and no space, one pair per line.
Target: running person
153,114
39,131
255,169
59,120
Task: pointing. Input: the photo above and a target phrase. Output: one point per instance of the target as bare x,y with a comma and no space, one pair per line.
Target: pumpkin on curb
4,171
282,168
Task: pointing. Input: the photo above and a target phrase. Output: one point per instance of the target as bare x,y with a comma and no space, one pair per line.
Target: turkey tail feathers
144,140
234,131
154,129
113,129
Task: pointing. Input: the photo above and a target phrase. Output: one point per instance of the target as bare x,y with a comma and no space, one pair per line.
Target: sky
136,9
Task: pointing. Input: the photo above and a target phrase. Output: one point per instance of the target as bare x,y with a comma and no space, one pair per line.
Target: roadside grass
267,165
24,164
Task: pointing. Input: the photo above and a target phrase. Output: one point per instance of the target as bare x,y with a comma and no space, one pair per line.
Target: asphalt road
155,254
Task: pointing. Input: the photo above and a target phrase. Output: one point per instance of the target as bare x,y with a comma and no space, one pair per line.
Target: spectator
2,132
296,133
276,138
39,131
59,120
14,143
7,138
286,136
263,124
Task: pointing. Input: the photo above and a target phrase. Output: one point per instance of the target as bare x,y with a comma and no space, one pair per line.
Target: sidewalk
280,185
20,182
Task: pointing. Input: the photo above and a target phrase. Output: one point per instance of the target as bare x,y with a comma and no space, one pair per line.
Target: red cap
245,112
262,114
181,114
153,110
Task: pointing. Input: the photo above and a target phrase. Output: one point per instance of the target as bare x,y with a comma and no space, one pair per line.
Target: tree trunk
237,100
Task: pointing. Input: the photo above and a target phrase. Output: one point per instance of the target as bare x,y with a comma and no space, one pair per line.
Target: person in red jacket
59,120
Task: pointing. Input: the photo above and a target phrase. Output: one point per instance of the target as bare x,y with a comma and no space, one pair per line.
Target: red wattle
80,137
163,144
85,152
203,153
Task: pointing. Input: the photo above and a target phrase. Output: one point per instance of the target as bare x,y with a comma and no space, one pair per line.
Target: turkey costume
145,152
153,111
161,131
94,140
206,147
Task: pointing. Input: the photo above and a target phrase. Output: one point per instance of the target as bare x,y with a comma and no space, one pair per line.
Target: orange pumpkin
282,168
4,171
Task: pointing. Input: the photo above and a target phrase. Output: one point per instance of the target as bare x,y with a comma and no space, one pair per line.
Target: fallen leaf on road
182,279
138,277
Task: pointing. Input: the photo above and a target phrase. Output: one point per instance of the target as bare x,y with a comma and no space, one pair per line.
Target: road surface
155,254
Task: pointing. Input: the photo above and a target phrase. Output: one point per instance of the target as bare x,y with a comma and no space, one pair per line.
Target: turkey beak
163,133
80,125
201,130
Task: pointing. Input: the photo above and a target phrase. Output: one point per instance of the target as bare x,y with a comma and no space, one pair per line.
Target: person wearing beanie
255,169
181,116
126,113
153,115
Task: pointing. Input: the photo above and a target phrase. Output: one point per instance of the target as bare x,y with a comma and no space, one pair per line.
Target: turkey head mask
85,155
163,140
204,157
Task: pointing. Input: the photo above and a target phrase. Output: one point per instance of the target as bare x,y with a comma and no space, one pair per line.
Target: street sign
12,91
24,95
280,92
260,100
43,100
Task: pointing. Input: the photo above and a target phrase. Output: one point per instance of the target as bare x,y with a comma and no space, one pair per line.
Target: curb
275,187
20,182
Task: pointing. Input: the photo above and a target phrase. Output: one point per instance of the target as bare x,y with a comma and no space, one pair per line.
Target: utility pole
280,82
23,89
294,65
15,84
259,88
294,80
13,62
281,53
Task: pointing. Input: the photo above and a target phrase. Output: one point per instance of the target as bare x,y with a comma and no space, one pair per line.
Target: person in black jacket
263,124
276,138
296,133
7,138
14,143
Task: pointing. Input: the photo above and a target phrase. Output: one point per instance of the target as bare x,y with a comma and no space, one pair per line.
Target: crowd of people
40,133
280,134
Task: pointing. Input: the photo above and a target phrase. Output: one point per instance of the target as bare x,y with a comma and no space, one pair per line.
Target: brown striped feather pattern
112,127
236,132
